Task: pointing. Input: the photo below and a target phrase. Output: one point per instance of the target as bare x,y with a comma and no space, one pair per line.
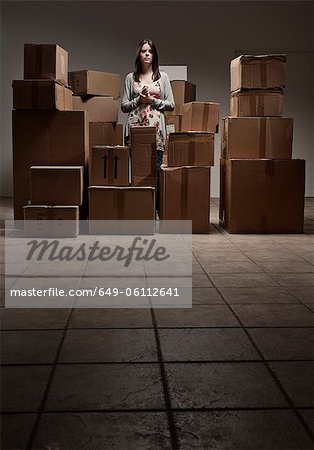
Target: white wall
205,36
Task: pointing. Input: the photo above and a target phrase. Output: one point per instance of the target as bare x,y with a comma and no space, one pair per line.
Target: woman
147,94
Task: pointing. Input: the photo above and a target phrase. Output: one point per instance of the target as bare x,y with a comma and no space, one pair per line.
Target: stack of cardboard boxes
261,187
185,181
49,134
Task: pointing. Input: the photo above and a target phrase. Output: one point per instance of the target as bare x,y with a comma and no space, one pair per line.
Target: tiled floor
234,372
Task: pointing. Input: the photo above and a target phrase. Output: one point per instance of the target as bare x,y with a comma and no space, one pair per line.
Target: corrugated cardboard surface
45,61
45,138
258,72
105,133
109,165
177,111
183,91
185,195
100,109
191,149
200,116
173,123
51,221
56,185
143,135
263,196
143,156
91,82
256,103
257,137
41,94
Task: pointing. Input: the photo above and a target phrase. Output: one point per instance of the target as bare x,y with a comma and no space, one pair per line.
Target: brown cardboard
56,185
200,116
45,138
109,166
173,124
45,61
105,133
256,103
177,111
258,72
100,109
51,221
143,135
41,94
183,91
257,137
263,196
191,149
91,82
185,195
130,204
143,156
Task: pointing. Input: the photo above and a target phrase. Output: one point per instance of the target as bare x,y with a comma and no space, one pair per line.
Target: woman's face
146,55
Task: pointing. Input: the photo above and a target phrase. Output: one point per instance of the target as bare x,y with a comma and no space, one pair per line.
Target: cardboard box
100,109
124,205
91,82
143,135
173,124
56,185
200,116
177,111
41,94
256,103
51,221
45,138
258,72
109,166
183,91
105,133
257,137
143,156
191,148
179,189
45,61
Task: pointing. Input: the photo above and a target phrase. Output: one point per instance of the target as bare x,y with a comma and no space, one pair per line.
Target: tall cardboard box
131,208
45,138
191,148
105,133
258,72
143,156
109,165
51,221
45,61
256,103
183,91
257,137
200,116
41,94
92,82
185,195
56,185
262,195
100,109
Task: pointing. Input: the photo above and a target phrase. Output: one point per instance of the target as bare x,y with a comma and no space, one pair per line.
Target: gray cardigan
130,101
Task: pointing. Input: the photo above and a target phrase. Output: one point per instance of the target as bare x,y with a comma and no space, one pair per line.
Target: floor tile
257,295
22,387
109,346
274,315
111,318
222,385
308,416
294,279
205,257
286,267
15,430
303,293
242,280
284,343
235,267
212,430
206,345
99,431
106,386
297,380
201,280
272,255
198,316
206,296
26,347
28,319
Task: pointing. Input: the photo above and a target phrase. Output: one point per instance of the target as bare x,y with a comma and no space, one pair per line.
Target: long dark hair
138,64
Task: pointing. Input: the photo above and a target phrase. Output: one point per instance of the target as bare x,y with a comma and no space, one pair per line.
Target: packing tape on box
264,223
191,153
205,117
263,72
184,193
270,169
35,90
262,137
119,202
39,60
110,166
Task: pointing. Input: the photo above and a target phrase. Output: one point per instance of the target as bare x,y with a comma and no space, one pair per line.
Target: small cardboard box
173,124
109,166
45,61
51,221
91,82
177,111
105,133
257,137
183,91
191,148
256,103
262,195
41,94
200,116
143,135
100,109
124,205
56,185
180,187
258,72
143,156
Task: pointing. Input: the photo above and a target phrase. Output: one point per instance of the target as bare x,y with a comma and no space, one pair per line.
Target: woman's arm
168,103
128,103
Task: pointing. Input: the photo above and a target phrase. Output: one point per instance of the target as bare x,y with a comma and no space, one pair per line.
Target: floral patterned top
146,115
